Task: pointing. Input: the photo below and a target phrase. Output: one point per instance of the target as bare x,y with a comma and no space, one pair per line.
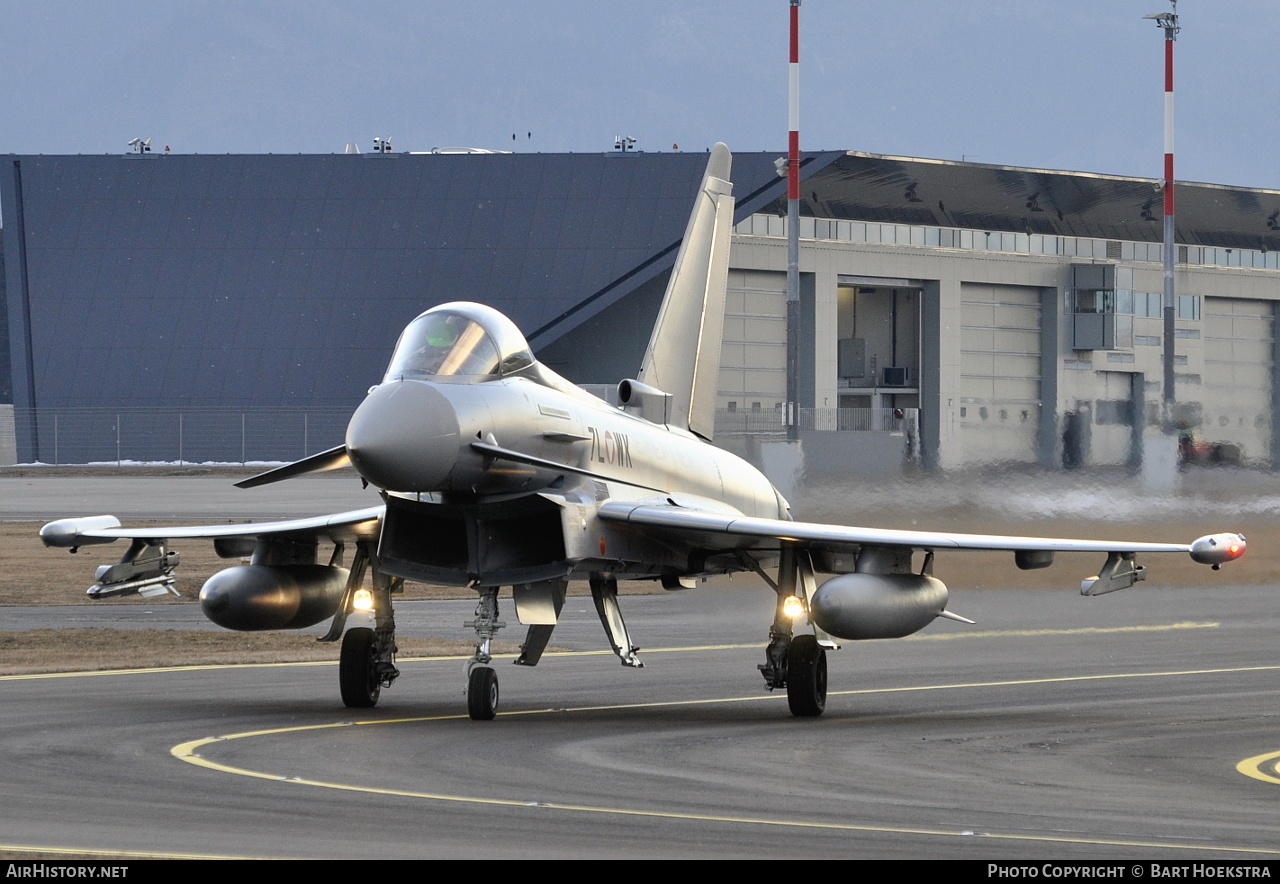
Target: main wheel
357,674
482,694
806,676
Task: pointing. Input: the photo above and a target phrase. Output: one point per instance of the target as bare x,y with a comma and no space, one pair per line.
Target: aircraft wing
147,566
338,527
720,529
678,518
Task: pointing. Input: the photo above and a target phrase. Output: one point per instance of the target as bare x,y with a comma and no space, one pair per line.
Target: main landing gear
806,676
366,664
797,663
358,670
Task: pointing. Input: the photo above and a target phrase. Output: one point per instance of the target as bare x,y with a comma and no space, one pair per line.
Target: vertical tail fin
683,357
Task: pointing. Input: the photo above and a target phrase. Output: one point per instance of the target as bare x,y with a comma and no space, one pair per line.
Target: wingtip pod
67,533
1216,549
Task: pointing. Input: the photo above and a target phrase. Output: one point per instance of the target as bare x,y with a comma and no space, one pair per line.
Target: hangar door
1113,413
753,355
1000,372
1236,393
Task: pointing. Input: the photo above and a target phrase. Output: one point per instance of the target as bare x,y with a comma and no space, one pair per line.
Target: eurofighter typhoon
497,472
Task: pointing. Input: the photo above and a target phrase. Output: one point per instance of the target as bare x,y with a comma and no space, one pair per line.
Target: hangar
173,307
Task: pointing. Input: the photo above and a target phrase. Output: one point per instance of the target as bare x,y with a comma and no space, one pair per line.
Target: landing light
362,600
792,606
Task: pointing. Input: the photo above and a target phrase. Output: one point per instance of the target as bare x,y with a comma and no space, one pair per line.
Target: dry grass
96,649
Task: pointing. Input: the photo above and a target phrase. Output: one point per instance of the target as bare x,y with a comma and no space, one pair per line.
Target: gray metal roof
902,190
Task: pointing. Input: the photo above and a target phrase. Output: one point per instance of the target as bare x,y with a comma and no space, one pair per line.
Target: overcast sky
1063,84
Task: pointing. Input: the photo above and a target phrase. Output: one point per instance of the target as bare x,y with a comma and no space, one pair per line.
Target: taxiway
1058,727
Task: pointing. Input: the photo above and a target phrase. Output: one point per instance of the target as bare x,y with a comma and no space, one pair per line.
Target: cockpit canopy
459,340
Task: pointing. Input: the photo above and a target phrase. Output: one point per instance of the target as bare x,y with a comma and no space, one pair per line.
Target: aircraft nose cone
404,437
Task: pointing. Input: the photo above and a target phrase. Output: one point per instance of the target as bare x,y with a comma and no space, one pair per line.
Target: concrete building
228,308
1019,310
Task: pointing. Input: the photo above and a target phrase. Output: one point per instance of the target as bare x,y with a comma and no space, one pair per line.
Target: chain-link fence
266,434
176,435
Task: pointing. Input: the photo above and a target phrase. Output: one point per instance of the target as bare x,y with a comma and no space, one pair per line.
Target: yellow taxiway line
190,752
1265,767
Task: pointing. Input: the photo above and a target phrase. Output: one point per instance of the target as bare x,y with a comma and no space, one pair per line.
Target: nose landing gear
482,693
482,680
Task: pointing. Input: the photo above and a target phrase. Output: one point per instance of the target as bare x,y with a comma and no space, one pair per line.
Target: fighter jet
496,472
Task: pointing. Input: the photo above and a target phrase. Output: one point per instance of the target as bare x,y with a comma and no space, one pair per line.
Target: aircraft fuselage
447,497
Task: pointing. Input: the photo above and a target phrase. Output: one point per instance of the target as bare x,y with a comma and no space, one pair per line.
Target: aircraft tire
357,677
806,677
482,693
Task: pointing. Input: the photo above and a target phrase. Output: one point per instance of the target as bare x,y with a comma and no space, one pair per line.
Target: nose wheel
482,693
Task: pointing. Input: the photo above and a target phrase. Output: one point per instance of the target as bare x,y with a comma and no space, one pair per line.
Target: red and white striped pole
793,109
1169,22
793,229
